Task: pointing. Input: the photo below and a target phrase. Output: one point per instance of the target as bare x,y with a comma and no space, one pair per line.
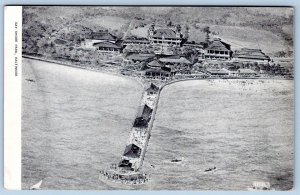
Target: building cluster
165,53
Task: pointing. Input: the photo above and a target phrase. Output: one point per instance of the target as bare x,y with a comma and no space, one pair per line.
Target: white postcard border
12,96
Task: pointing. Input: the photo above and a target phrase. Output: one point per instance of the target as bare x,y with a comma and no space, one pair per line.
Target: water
76,122
245,131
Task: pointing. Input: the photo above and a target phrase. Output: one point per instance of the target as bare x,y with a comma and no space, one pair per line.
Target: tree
207,31
178,28
187,28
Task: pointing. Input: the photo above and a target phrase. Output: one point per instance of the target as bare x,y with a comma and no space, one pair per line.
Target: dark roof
166,33
140,57
143,116
60,41
166,69
247,53
217,44
136,40
125,163
147,111
159,71
193,44
106,45
140,122
152,88
132,151
246,71
102,36
181,60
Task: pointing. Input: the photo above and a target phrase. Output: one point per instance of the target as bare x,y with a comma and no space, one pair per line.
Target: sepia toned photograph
157,98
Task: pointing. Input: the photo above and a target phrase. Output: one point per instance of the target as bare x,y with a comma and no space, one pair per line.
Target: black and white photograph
157,98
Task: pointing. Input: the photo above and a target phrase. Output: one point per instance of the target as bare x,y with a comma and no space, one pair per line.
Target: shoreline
80,67
141,81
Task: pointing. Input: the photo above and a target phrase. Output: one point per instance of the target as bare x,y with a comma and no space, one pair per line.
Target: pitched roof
106,45
155,63
136,40
246,71
102,36
132,151
140,122
198,64
181,60
140,57
217,44
166,33
60,41
247,53
217,71
193,44
153,70
153,88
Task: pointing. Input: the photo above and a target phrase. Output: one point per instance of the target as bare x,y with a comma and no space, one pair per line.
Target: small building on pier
143,117
153,89
132,151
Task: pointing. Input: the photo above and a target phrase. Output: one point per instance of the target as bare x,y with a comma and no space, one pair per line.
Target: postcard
149,98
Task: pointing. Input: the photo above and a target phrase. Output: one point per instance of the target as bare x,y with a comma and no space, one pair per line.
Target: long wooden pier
129,169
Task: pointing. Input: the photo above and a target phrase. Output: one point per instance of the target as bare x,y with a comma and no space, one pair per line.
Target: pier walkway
130,166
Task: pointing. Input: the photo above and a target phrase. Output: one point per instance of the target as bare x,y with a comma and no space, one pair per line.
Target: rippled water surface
76,122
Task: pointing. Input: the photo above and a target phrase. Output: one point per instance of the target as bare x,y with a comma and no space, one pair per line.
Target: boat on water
210,169
36,186
176,160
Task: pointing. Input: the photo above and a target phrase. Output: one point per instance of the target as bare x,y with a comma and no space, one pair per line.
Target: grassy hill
271,27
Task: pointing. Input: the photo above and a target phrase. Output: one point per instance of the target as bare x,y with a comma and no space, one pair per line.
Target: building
157,73
97,37
246,73
217,73
195,47
107,47
153,89
218,50
251,55
177,64
164,39
158,70
165,36
136,41
132,151
143,117
136,57
175,60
